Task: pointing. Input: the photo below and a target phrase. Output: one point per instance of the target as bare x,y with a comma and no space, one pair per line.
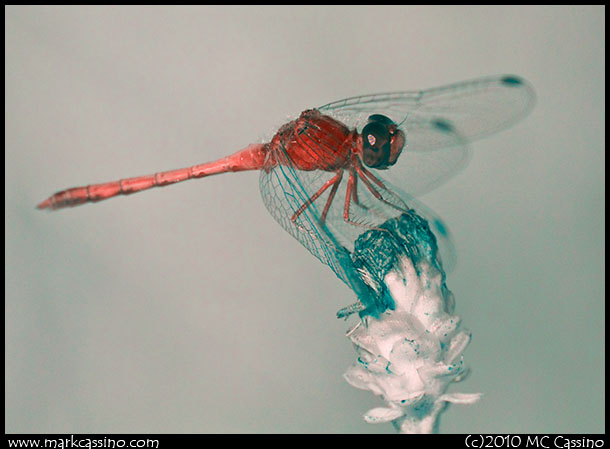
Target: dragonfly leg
331,197
383,186
355,198
362,172
372,177
353,179
345,312
349,194
334,181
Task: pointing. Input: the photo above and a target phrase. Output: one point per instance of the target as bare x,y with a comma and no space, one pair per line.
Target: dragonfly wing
355,111
284,192
438,123
444,238
476,108
419,172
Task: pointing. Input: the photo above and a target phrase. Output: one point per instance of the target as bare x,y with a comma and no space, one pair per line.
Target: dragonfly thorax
313,141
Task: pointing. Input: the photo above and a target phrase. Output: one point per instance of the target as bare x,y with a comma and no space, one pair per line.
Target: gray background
188,309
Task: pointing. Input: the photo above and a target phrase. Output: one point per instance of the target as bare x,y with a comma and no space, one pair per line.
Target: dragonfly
346,167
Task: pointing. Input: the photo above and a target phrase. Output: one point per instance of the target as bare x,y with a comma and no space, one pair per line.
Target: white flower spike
411,351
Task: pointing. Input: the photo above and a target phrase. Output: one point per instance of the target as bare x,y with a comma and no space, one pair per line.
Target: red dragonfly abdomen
313,142
250,158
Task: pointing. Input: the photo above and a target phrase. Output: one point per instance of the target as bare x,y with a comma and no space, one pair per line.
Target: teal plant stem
409,341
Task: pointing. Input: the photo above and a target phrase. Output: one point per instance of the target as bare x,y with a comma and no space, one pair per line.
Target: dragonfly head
382,142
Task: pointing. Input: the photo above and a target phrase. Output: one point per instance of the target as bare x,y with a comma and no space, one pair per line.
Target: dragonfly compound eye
377,142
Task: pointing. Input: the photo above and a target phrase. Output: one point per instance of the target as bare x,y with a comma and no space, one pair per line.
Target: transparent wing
285,190
475,108
439,122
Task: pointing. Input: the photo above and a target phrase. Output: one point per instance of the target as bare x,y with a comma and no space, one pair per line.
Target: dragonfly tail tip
44,205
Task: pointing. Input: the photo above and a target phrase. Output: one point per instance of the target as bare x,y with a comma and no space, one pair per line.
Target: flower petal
382,414
461,398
